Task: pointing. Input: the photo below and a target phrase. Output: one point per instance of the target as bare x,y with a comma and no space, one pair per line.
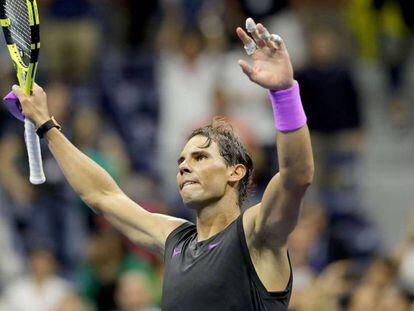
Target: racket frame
26,76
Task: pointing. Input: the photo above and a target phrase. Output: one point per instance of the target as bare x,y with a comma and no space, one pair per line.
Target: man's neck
215,218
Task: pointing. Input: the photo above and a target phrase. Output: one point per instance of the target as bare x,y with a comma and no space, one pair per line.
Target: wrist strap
45,127
287,109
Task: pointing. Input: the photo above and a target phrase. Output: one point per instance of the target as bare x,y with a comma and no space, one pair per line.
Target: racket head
20,22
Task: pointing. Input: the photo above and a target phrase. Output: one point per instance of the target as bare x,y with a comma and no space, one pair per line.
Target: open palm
271,66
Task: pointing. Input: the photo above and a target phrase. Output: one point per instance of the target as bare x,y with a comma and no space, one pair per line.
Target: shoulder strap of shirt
285,294
176,235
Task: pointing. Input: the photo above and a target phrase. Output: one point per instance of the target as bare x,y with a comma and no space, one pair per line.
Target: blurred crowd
128,80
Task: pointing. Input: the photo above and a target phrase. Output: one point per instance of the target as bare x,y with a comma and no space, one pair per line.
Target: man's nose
184,168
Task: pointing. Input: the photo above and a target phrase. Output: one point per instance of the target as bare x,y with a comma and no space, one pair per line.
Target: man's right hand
34,106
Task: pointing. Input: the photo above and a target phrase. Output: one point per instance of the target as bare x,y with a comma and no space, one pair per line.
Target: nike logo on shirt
176,252
214,245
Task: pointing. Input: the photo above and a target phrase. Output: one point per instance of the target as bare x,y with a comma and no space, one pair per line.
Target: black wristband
51,123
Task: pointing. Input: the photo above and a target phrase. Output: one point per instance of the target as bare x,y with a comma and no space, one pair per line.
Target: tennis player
229,260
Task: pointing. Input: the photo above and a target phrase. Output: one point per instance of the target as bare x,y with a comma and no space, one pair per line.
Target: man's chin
192,202
197,203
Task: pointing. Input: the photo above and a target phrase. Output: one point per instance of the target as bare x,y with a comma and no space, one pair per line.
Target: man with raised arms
228,260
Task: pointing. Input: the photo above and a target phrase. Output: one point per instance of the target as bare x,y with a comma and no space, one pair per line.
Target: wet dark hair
231,149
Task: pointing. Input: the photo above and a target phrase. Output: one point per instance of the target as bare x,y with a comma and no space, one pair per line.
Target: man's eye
201,157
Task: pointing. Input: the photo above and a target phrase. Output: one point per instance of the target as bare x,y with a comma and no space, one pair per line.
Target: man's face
202,173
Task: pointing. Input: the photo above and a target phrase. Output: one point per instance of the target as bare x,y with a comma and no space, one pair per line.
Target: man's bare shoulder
168,224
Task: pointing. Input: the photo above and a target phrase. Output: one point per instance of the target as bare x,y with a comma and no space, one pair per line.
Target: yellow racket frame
25,74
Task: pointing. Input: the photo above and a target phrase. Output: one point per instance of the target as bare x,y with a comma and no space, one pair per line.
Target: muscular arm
99,191
270,222
279,209
94,185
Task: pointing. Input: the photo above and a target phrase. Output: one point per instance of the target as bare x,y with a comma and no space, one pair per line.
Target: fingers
261,37
36,87
277,40
251,28
244,37
272,41
249,44
38,90
18,91
34,106
247,69
23,98
263,32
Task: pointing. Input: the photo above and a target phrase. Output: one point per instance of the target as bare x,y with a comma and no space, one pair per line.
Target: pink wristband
287,109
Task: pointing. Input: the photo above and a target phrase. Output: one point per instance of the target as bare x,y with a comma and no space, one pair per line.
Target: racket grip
37,175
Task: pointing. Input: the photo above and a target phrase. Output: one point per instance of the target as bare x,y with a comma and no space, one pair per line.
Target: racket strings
17,12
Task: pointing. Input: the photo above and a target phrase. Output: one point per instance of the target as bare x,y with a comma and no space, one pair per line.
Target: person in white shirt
41,289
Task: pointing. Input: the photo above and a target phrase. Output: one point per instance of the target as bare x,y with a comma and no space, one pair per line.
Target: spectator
41,288
53,215
72,41
332,105
98,277
11,261
73,302
133,293
186,75
395,26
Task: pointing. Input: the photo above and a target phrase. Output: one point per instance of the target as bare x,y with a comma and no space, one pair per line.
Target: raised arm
271,221
95,186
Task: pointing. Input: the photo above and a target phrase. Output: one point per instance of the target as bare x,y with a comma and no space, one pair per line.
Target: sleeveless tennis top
215,274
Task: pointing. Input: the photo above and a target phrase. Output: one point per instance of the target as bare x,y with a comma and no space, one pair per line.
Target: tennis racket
20,22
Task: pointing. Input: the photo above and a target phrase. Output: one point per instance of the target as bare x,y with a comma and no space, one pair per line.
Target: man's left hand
271,66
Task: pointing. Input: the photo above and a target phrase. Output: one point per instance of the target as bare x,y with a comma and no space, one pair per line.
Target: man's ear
238,171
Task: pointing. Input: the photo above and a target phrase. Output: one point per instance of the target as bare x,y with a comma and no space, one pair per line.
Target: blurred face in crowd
392,299
364,298
191,44
58,95
71,302
42,263
203,175
102,244
132,293
86,126
380,273
323,47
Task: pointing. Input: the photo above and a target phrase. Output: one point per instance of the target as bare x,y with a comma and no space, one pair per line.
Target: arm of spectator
11,179
95,186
